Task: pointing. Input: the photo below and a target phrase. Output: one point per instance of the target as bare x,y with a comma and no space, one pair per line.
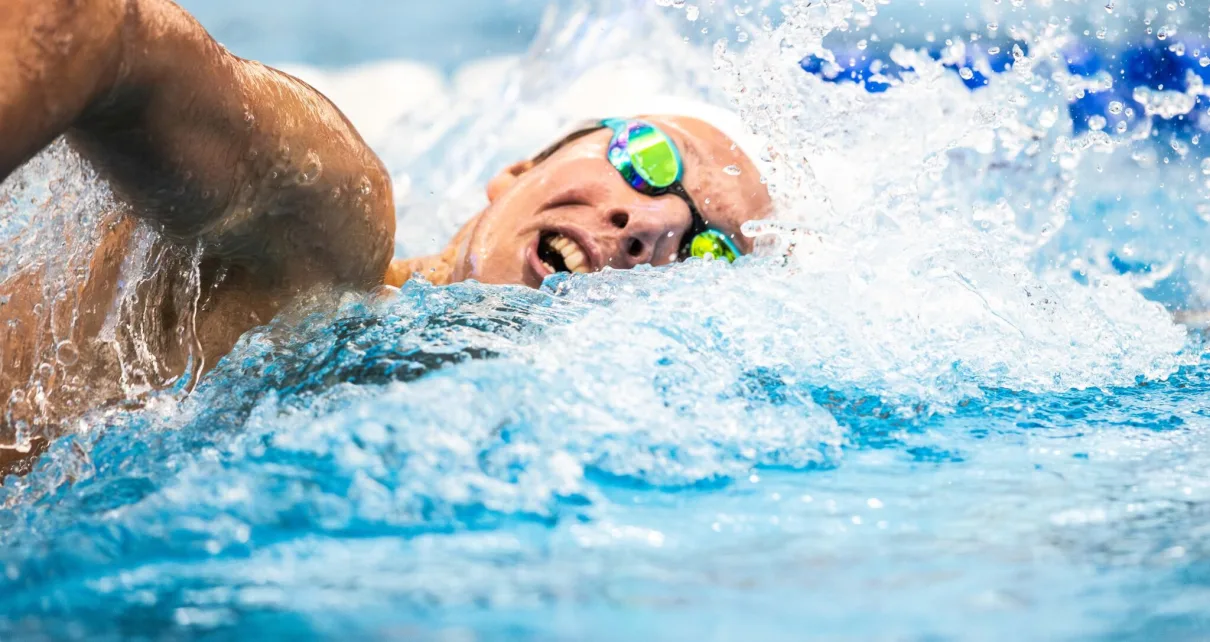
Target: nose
645,235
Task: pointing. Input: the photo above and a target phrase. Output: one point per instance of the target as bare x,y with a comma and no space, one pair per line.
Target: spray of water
922,260
930,256
66,236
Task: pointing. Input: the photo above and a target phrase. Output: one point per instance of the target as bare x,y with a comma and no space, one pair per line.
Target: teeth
573,256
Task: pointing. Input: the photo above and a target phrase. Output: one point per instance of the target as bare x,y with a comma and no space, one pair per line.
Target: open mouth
561,254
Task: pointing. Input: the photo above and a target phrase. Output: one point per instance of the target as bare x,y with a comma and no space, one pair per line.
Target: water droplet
312,169
66,353
1048,118
732,170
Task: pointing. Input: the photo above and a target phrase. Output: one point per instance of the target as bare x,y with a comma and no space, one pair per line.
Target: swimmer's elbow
363,248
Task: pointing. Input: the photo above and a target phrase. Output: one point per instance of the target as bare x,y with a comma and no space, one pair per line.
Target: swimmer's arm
255,165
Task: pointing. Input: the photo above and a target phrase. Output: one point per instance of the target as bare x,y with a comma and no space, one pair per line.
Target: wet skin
279,192
578,193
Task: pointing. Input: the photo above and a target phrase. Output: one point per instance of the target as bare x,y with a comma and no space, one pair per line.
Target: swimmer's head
571,209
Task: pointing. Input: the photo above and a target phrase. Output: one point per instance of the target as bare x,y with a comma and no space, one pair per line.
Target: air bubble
732,170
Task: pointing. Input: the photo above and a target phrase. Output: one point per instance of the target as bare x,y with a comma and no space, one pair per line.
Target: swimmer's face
577,205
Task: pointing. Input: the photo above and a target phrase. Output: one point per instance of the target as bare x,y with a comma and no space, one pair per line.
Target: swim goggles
651,163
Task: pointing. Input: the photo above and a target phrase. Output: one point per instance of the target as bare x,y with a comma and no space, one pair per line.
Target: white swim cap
621,91
721,118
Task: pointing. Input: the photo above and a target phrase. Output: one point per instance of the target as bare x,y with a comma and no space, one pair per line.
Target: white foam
890,220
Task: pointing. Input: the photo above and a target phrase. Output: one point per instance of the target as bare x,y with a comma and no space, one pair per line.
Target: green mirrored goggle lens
713,244
654,157
649,160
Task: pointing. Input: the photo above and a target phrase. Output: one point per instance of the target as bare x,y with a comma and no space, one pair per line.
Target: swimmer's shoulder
256,166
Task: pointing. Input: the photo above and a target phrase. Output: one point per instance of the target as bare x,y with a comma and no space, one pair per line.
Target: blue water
357,31
465,461
912,431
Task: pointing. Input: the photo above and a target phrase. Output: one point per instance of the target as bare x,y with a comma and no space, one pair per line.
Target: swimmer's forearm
57,59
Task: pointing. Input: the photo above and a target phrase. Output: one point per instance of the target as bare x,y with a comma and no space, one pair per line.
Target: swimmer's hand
256,166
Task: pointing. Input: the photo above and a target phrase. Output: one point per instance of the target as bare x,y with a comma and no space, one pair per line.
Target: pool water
947,400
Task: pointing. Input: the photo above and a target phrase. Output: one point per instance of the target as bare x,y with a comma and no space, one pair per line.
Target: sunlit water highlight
935,405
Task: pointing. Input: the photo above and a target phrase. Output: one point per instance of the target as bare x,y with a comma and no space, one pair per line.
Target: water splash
924,369
58,218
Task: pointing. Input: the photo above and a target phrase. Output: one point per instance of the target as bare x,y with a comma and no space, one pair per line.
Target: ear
504,181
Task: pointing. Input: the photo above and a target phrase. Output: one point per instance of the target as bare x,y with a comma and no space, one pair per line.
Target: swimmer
272,192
